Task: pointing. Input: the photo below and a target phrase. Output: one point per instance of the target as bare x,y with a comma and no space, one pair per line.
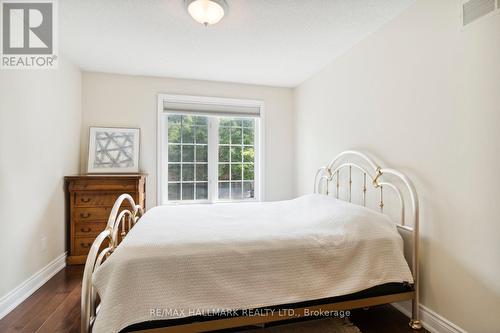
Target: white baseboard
15,297
431,321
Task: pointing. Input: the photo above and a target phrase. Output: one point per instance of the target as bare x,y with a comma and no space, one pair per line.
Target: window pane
235,154
187,191
248,136
224,135
248,190
174,133
174,153
236,171
174,119
188,172
188,120
225,122
201,134
174,172
187,134
248,173
223,153
223,171
202,172
236,136
174,191
200,120
201,154
236,122
223,190
248,122
248,154
202,191
236,190
187,153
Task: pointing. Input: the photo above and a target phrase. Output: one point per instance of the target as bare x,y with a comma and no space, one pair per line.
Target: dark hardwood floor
55,307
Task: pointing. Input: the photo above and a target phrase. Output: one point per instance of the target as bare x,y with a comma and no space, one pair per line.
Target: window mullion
181,160
213,130
164,159
242,163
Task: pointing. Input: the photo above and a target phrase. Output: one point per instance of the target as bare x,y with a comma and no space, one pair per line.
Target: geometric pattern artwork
114,149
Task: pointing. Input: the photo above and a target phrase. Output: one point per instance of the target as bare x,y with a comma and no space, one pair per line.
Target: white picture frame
113,150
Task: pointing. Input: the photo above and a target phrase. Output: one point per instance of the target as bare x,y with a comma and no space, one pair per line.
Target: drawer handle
85,200
85,245
84,215
85,229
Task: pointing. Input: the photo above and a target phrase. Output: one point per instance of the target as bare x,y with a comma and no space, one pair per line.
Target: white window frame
213,144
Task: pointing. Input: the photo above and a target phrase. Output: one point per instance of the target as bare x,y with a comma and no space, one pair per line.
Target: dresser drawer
119,185
92,199
83,244
85,229
97,199
91,214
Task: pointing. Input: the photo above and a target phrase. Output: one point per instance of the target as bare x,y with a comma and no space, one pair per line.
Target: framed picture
113,150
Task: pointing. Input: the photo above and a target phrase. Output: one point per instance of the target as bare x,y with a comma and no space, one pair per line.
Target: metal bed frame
120,222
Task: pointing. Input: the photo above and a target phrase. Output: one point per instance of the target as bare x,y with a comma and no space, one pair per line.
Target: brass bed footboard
117,222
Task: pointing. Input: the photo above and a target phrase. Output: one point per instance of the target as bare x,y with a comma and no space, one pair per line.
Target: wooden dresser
90,199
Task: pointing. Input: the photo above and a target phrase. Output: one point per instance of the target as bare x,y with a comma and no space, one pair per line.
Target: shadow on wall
51,226
480,309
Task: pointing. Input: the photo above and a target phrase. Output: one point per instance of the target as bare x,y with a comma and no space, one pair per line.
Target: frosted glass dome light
206,11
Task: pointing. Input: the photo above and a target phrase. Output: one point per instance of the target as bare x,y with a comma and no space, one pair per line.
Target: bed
194,268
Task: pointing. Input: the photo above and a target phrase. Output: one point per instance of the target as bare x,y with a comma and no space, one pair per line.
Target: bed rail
380,179
119,223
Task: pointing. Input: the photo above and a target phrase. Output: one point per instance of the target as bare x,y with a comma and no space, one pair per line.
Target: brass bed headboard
380,179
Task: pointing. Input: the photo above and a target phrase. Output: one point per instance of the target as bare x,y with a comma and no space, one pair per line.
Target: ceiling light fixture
206,11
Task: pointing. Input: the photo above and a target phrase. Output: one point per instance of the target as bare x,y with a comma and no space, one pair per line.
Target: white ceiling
268,42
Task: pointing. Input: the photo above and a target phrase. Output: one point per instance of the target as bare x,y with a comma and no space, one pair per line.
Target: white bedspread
179,260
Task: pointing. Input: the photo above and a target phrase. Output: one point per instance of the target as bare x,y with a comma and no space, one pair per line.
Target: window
187,157
208,156
236,158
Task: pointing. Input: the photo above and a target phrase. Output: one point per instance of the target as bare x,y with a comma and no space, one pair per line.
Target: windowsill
186,202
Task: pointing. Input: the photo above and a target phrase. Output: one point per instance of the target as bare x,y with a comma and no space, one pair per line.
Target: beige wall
40,121
422,94
121,100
